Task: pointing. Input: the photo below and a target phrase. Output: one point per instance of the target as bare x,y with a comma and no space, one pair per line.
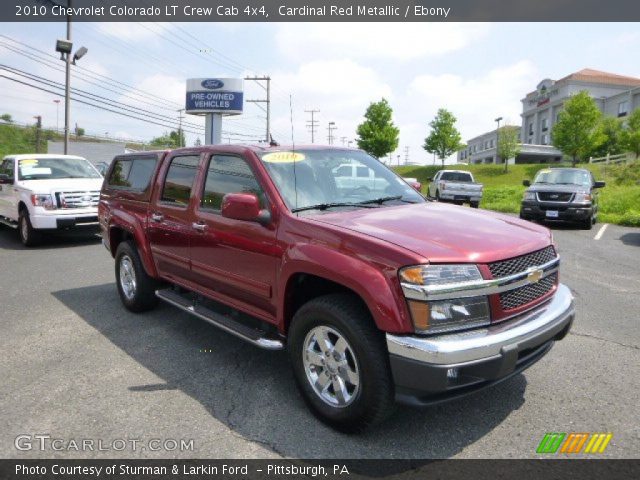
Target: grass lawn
619,200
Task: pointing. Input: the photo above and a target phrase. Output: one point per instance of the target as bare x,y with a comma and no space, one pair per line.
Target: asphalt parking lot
76,365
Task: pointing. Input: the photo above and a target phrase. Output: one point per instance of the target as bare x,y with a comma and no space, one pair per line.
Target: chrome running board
258,338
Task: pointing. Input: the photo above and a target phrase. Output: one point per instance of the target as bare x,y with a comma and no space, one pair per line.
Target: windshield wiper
381,200
325,206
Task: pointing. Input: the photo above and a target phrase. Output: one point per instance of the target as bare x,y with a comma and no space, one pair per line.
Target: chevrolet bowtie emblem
534,276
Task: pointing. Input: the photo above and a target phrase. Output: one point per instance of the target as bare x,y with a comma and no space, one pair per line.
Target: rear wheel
135,286
340,363
29,236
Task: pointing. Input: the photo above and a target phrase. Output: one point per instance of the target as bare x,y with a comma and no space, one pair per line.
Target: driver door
7,194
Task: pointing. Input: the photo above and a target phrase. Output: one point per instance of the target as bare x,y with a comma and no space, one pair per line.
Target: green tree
612,131
577,132
80,132
377,135
631,134
444,139
6,117
508,143
173,139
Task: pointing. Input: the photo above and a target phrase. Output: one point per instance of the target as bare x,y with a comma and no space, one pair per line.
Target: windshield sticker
283,157
28,161
26,171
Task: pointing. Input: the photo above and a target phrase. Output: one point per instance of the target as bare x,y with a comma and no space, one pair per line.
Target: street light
65,47
497,120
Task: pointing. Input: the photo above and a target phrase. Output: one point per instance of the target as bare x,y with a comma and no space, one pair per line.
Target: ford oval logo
212,83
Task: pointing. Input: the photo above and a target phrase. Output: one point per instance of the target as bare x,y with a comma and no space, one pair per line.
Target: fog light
452,373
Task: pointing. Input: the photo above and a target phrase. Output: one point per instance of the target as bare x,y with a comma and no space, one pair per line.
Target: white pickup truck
457,186
45,192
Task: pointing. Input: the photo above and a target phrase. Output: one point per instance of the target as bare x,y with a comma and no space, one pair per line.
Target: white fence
622,158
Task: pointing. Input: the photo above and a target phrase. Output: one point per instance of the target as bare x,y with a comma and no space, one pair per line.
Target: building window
623,108
531,128
544,124
544,139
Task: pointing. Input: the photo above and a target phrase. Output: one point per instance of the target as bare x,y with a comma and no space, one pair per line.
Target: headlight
45,201
582,198
440,274
529,196
447,315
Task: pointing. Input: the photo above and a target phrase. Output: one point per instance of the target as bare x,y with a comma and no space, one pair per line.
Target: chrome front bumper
534,327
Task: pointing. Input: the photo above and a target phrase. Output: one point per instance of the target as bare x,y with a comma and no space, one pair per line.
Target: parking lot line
601,232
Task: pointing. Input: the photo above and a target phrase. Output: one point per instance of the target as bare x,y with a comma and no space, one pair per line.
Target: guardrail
621,158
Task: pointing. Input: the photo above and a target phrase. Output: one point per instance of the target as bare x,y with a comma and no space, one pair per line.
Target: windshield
456,176
327,177
53,168
564,177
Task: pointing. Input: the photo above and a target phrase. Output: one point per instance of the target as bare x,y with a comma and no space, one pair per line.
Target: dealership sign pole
214,97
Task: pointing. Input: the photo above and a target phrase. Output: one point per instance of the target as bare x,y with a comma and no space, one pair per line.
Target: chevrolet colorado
378,294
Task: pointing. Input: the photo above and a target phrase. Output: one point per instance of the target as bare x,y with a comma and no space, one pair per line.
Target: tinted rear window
134,173
456,177
179,180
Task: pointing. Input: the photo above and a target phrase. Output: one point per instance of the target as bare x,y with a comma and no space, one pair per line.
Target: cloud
477,100
342,88
397,41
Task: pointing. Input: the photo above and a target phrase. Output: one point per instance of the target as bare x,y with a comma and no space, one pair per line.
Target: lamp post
64,47
497,120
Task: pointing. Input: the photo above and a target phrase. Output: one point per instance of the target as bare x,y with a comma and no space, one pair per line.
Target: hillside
619,200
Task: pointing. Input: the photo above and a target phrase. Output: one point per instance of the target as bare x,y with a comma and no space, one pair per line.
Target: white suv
41,192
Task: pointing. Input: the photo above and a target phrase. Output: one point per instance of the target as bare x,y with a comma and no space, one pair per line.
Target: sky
478,71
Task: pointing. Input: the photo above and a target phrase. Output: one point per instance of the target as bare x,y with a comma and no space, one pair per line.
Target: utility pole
344,141
38,132
57,102
330,128
406,155
267,101
180,134
312,124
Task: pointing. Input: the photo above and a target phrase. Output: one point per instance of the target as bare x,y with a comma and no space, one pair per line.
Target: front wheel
29,236
475,204
340,363
135,286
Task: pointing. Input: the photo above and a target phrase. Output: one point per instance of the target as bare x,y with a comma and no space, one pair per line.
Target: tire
29,236
475,204
361,366
437,195
587,224
136,288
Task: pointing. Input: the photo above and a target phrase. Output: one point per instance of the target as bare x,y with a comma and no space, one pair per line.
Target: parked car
457,186
358,177
413,182
44,192
376,296
567,194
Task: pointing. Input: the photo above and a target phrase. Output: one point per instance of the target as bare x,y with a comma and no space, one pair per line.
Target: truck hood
62,185
544,187
442,233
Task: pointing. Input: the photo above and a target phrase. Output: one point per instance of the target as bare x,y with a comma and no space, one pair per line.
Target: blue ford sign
212,83
214,95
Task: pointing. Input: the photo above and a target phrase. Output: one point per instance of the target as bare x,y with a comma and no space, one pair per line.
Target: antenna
293,150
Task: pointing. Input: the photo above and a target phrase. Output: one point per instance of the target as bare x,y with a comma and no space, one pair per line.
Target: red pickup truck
377,294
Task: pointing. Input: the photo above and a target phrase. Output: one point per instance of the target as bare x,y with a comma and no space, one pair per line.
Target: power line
266,101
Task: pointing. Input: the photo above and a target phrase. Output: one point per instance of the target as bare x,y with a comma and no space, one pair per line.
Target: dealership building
615,95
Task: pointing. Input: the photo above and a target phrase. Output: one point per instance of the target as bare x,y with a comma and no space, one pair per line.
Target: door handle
201,227
157,217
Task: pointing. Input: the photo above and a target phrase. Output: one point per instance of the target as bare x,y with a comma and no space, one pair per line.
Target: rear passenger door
234,260
170,217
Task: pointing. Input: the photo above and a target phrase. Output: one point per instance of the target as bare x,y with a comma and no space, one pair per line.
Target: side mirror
5,179
599,184
244,206
526,183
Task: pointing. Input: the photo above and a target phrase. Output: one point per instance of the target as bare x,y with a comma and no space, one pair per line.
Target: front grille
555,196
519,264
521,296
77,199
